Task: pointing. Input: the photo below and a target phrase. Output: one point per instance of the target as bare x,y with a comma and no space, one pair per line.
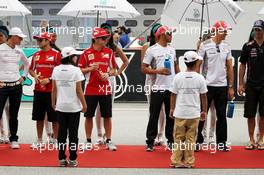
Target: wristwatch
230,86
24,78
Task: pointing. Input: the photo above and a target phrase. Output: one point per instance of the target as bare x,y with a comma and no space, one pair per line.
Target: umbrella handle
201,29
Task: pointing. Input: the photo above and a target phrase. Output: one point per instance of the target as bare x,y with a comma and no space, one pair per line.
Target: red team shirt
106,60
43,64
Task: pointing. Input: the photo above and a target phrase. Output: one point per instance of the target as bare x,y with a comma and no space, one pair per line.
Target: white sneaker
87,146
63,163
4,139
14,145
100,140
159,141
37,144
110,146
73,163
211,140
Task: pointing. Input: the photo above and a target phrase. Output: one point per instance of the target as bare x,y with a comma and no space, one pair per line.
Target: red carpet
131,157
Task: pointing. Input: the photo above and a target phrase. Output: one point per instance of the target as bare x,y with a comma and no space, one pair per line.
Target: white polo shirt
214,64
188,86
66,77
9,63
155,57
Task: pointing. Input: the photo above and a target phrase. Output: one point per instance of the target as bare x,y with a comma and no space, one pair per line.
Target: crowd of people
178,100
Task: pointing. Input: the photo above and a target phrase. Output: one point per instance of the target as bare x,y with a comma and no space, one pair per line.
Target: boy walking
188,89
68,101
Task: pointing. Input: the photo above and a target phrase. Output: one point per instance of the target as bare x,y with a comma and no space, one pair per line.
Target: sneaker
158,141
250,146
100,140
37,144
110,146
63,163
14,145
73,163
211,140
4,139
177,165
87,146
149,148
260,146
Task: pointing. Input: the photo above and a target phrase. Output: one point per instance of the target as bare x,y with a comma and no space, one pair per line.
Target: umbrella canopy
261,12
99,9
13,8
201,12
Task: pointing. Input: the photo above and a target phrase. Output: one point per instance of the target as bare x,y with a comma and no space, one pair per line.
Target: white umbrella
13,8
201,12
261,12
99,9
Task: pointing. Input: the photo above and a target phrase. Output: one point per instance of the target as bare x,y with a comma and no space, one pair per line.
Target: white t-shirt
188,86
9,63
214,64
155,57
66,77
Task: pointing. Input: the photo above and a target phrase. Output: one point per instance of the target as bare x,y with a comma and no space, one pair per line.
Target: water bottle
167,63
230,109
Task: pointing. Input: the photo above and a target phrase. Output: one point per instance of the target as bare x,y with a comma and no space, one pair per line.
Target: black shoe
149,148
73,163
222,147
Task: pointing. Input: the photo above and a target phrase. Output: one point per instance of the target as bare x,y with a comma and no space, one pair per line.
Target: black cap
4,30
259,24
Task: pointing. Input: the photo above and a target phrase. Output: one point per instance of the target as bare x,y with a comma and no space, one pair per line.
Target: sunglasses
169,33
103,38
40,40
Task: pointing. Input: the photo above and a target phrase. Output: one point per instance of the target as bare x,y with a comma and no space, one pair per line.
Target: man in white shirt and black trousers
160,93
219,74
11,81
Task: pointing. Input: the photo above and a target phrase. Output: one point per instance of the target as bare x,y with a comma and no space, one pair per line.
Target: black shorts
254,98
105,103
41,106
